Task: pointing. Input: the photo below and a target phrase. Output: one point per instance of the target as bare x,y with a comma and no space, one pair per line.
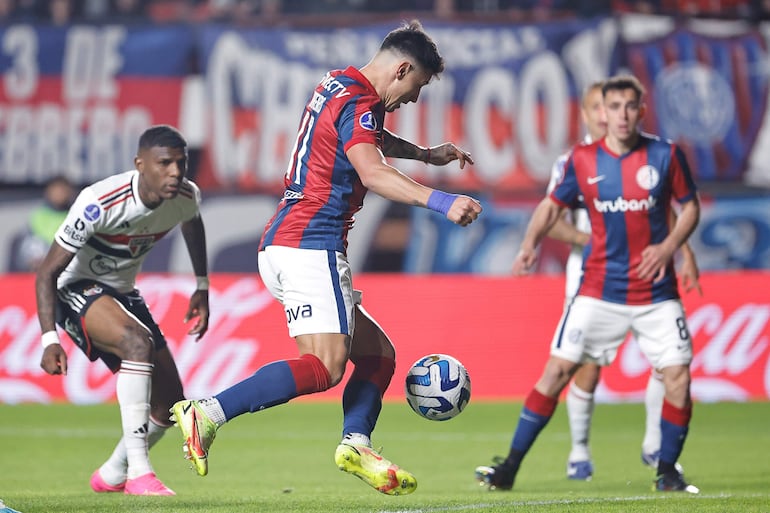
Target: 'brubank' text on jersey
323,190
628,198
111,231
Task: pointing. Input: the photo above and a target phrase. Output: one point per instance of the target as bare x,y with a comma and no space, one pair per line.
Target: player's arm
565,231
546,214
54,360
194,235
656,257
396,147
390,183
689,273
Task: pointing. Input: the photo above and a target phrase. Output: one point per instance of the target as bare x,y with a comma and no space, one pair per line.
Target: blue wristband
440,201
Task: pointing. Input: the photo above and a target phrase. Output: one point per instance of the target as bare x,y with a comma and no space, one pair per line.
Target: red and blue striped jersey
323,190
629,203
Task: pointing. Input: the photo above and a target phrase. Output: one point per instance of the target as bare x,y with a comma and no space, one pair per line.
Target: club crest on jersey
647,177
92,212
368,121
140,245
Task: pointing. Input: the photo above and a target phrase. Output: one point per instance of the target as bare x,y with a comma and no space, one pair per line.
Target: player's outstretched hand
198,307
525,260
464,210
54,360
443,154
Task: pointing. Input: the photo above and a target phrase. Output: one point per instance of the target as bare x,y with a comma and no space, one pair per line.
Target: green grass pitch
281,460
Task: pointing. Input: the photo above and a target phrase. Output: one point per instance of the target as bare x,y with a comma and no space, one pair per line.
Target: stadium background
76,94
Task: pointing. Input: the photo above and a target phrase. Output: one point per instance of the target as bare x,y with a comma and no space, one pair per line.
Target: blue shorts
75,299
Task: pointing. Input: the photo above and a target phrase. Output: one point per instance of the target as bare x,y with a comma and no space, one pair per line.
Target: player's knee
136,344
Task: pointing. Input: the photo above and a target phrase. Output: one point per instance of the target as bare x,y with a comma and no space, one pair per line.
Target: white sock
580,409
115,469
133,391
213,410
357,439
653,404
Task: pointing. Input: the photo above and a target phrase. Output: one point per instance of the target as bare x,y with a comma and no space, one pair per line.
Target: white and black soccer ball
438,387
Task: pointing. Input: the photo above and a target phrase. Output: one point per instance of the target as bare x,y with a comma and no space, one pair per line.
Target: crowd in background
62,12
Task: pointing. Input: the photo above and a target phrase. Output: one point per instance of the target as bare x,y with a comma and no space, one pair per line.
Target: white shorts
591,330
315,287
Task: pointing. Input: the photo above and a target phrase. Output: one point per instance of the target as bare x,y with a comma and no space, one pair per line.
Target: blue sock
272,384
672,439
530,425
361,404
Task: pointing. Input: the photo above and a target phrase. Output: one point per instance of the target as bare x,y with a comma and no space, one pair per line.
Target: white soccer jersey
579,218
111,231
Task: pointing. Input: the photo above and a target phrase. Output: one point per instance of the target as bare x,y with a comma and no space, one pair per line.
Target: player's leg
653,404
166,390
373,356
664,338
112,328
589,330
580,408
536,413
320,318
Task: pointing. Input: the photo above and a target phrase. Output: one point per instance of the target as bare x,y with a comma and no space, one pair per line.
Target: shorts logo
368,121
93,290
575,336
304,311
647,177
92,212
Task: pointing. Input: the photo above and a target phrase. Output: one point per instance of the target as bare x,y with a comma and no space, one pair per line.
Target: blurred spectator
59,12
33,244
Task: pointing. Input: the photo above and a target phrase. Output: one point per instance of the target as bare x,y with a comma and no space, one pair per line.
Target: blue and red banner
74,99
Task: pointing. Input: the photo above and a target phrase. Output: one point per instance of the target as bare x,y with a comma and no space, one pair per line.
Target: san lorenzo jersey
323,190
111,231
629,203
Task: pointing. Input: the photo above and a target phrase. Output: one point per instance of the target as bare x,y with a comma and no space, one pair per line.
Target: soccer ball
438,387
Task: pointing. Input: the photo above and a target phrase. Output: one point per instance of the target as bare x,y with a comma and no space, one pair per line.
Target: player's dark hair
165,136
621,82
410,39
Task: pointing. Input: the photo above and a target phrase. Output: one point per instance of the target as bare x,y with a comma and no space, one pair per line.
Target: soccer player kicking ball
86,284
338,155
628,181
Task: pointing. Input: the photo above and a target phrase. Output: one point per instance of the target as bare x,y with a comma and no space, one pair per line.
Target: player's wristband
49,338
440,201
202,283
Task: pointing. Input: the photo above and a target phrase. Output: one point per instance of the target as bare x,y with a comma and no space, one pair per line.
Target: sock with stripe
537,411
273,384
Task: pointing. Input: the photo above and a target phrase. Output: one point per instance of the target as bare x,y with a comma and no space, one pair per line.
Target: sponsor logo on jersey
334,86
101,265
621,204
647,177
292,195
74,234
368,121
92,212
